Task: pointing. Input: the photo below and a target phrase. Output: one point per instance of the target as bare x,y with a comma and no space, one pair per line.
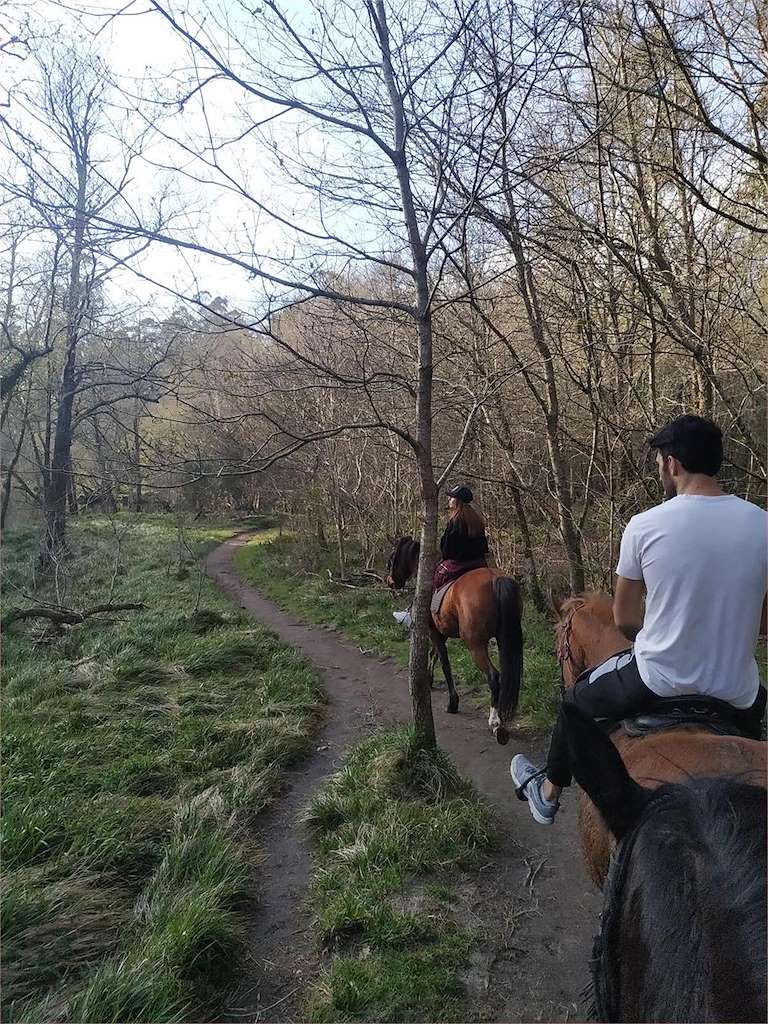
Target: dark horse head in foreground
683,933
481,604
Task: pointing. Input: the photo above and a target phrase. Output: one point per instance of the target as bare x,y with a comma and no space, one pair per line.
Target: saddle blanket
439,594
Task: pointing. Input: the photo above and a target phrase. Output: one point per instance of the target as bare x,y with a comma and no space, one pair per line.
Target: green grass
293,572
392,816
137,747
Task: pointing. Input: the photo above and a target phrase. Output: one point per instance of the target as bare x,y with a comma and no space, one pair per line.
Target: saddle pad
437,597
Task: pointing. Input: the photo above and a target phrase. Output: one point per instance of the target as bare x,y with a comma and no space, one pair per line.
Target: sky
141,45
142,51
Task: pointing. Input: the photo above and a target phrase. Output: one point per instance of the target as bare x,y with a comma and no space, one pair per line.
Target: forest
298,268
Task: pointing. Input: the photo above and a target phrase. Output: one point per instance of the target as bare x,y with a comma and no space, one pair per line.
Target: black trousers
617,692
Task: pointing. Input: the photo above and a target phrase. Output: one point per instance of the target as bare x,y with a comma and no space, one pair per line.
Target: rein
564,652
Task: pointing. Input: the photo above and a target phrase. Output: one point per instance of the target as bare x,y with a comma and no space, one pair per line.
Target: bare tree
61,156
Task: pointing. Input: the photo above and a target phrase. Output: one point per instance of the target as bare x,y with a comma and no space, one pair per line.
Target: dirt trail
534,898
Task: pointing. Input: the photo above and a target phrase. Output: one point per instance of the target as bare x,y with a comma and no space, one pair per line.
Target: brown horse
587,636
482,603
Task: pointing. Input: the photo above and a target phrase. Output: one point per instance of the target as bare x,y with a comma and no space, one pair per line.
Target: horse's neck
413,558
602,641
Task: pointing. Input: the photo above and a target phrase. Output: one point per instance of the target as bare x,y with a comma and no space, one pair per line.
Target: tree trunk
55,477
72,503
56,484
531,576
8,485
418,662
138,498
340,542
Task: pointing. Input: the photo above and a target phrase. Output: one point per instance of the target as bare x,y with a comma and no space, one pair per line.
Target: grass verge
392,815
136,749
294,572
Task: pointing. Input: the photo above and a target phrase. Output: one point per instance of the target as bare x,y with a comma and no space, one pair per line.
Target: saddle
673,712
439,594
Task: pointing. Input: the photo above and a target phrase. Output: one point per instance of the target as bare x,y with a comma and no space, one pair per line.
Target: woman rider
463,545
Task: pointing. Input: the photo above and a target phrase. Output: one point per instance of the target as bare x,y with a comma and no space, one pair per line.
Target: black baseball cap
461,493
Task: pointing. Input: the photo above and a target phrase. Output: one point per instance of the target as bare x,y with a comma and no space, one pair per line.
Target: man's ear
599,770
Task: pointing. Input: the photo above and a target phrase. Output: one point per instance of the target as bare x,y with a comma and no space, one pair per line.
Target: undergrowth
136,749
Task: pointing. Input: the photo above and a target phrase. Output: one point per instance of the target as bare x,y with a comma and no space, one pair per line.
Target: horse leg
439,645
479,652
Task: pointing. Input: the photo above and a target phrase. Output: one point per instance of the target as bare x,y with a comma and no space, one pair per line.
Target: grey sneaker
404,618
528,779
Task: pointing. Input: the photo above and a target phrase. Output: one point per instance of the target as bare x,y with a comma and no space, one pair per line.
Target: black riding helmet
461,493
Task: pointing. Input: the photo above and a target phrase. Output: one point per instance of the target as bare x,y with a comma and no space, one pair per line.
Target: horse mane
594,603
684,929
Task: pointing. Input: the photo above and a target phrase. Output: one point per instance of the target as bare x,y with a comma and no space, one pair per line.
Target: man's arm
764,618
628,606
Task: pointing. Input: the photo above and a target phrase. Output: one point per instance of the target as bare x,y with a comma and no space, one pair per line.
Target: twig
533,872
281,1000
374,575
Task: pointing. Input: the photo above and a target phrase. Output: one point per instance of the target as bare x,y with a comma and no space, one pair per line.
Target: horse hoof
502,736
453,706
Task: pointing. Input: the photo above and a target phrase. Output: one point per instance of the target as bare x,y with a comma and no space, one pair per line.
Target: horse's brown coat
468,611
587,636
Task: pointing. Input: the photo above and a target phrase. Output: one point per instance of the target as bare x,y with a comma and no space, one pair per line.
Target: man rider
700,558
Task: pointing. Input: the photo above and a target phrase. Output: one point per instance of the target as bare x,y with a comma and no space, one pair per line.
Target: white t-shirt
704,561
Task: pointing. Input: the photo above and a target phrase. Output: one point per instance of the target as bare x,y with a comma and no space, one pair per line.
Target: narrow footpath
534,899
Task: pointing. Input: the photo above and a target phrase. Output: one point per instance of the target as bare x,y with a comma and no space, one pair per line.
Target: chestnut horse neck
586,634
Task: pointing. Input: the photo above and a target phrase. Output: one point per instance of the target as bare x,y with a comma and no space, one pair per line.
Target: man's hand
628,606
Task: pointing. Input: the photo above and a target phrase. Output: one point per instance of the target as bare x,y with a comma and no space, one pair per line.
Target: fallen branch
373,575
64,616
363,578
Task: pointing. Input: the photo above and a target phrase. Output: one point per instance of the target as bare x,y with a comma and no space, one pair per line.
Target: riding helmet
461,493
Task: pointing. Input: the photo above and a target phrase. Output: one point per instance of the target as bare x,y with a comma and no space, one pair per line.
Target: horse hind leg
479,652
441,648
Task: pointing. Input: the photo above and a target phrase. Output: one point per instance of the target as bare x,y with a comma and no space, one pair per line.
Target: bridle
565,653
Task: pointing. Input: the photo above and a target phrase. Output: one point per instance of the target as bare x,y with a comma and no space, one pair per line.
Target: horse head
402,562
585,633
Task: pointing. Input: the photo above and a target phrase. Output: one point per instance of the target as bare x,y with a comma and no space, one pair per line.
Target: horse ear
599,770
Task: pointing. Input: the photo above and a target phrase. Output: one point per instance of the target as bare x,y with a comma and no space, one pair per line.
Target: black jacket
458,545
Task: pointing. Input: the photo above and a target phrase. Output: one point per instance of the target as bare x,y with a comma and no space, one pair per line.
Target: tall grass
136,750
294,572
392,815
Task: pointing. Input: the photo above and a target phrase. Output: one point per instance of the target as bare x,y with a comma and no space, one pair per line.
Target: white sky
141,50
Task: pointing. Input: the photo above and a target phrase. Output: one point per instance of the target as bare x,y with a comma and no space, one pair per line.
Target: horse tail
509,634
